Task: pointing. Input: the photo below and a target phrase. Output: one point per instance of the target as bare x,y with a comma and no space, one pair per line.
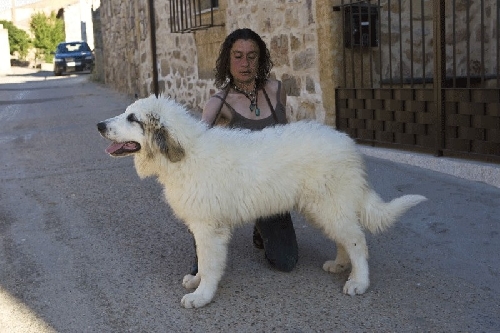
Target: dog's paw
353,287
194,300
333,267
191,281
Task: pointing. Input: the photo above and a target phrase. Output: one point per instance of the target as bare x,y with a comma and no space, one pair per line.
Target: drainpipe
152,25
439,82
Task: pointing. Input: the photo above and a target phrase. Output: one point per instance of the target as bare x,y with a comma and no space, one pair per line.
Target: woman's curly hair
222,64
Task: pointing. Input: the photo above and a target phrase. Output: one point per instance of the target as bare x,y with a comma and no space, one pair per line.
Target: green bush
19,40
48,32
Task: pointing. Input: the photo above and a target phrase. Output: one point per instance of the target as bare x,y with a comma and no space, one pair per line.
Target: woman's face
244,61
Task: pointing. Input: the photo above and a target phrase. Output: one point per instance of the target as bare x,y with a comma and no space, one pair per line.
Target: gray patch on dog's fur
167,145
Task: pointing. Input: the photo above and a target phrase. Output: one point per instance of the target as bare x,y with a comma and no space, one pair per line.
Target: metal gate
422,75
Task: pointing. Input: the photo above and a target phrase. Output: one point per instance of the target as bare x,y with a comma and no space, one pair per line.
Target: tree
19,40
48,32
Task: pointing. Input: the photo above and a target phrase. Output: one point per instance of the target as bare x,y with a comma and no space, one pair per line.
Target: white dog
216,179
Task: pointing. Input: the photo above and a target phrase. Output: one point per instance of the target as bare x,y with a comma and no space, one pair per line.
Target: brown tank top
278,114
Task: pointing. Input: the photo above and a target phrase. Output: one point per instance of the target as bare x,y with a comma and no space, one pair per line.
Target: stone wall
126,51
98,72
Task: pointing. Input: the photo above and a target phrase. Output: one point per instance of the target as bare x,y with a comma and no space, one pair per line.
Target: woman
249,99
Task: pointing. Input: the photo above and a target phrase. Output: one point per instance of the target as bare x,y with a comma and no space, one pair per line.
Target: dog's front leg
211,248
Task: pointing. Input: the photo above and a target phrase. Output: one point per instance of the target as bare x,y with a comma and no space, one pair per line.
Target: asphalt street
86,246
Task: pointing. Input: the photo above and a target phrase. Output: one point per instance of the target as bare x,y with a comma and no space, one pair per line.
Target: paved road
85,246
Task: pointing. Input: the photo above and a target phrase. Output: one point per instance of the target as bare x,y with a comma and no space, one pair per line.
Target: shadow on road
19,75
31,72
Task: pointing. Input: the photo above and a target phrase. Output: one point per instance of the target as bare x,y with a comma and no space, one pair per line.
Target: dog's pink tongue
123,148
114,147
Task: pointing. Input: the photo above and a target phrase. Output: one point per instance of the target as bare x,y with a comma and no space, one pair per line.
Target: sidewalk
488,173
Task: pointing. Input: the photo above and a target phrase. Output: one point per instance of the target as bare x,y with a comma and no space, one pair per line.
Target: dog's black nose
101,126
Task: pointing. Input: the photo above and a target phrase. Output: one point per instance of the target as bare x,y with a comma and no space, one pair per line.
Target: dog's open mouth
123,148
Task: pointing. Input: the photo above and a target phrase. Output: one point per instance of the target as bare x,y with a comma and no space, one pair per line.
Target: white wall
4,51
78,22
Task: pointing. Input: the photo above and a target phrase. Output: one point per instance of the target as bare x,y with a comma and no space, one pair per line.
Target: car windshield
72,47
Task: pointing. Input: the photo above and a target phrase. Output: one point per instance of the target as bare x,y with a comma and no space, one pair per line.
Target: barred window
190,15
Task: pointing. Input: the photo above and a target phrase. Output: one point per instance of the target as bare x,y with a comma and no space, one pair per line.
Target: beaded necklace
252,96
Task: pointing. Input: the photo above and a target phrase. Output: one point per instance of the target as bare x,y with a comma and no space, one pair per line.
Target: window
189,15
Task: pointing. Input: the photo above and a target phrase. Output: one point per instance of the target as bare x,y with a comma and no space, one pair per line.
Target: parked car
73,57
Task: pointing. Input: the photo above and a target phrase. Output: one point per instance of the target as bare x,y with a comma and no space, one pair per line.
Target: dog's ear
168,145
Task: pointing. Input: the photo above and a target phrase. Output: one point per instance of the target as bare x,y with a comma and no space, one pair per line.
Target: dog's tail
377,215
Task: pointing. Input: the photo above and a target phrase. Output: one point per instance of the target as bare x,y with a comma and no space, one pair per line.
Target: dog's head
142,132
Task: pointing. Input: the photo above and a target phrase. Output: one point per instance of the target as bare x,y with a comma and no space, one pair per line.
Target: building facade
154,46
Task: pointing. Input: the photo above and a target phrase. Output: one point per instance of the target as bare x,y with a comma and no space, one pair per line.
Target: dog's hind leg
191,281
341,262
211,247
352,238
351,247
358,280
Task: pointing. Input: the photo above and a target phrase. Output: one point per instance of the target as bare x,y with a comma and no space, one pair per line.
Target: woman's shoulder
218,94
214,101
272,86
272,83
216,98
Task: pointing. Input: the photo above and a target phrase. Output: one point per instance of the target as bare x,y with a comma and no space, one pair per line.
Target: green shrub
19,40
48,32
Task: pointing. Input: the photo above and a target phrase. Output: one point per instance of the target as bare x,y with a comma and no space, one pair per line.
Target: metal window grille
190,15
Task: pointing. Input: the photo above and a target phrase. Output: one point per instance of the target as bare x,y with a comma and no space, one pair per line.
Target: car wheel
57,73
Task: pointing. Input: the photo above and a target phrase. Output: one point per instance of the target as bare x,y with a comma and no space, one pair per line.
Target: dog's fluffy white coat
217,179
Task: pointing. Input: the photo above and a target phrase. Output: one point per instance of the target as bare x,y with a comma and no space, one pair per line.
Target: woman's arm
211,110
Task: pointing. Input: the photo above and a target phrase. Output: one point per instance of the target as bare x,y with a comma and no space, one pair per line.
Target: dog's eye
131,117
